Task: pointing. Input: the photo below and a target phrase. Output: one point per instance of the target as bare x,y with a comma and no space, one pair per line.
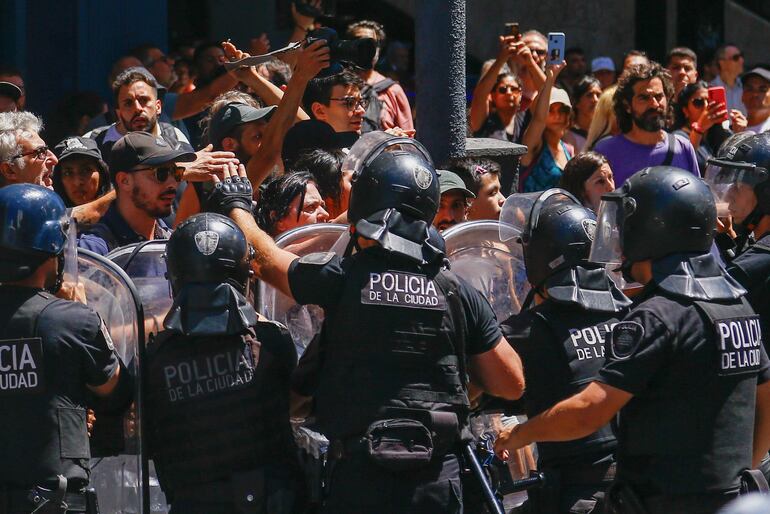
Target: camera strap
256,60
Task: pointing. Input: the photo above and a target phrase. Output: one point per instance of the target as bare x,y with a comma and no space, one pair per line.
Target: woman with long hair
604,124
585,98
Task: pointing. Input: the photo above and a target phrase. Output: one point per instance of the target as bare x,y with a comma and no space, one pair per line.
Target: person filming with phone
699,118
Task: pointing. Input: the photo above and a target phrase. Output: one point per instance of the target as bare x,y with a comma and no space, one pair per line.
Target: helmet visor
605,248
520,212
727,178
372,144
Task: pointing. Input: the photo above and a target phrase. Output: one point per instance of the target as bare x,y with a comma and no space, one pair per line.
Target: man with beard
145,174
137,107
641,105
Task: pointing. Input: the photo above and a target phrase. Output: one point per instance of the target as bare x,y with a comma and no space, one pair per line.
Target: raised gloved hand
234,192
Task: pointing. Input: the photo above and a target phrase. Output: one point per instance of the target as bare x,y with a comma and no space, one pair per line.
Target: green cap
449,181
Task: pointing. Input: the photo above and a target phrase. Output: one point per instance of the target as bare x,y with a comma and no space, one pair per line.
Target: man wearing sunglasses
730,61
24,157
145,174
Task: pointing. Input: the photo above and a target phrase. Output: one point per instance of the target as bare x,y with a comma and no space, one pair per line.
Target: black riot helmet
395,193
659,211
559,236
556,233
208,248
743,160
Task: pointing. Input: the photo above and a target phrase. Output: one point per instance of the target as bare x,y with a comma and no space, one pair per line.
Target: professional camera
359,52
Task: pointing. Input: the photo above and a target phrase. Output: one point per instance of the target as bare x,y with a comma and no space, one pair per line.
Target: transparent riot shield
119,474
494,267
145,265
303,321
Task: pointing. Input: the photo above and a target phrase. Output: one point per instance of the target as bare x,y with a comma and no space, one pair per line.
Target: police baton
494,505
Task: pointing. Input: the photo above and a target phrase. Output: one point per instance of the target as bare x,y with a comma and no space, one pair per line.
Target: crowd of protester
290,122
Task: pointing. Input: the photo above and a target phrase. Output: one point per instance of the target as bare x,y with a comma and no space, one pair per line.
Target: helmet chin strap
625,268
747,226
56,286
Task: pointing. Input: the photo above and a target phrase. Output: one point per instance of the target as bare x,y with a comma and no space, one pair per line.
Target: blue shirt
113,231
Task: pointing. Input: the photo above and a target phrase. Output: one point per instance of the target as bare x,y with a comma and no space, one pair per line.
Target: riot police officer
686,367
218,383
54,354
739,177
399,338
561,339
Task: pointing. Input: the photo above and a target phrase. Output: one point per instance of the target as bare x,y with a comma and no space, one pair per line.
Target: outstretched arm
533,135
310,61
232,197
573,418
480,101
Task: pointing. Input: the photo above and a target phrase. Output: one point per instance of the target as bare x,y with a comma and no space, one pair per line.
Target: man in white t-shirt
756,98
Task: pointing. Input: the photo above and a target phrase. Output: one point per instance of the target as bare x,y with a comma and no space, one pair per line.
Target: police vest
694,424
576,353
215,406
43,429
394,341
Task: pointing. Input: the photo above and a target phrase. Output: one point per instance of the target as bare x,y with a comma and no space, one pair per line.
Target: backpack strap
670,152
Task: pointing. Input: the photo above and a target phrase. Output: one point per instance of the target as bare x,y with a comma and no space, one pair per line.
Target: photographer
392,108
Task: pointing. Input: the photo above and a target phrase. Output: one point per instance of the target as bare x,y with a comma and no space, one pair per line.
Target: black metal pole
440,77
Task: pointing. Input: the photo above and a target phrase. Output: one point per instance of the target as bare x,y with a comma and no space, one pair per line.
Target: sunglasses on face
506,89
698,102
162,173
351,102
38,153
737,57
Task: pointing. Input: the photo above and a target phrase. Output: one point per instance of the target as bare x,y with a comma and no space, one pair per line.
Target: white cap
559,96
602,63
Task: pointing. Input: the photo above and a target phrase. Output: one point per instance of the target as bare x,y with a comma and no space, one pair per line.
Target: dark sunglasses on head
162,173
698,102
505,89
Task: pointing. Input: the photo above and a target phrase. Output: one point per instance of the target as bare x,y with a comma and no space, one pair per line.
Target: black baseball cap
142,149
10,90
232,115
310,134
77,146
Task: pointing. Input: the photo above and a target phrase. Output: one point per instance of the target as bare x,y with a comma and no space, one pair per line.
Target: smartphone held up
556,43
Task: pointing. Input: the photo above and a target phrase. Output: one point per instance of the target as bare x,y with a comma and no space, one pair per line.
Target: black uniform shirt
752,270
562,349
689,427
49,417
322,285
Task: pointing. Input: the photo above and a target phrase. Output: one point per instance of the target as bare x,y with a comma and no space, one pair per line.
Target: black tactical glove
231,193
